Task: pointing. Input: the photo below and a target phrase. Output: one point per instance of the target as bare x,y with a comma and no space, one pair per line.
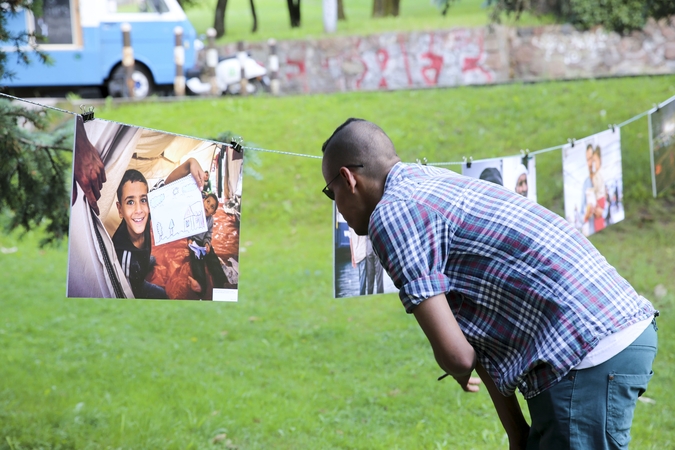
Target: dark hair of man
213,196
589,147
358,141
598,152
132,175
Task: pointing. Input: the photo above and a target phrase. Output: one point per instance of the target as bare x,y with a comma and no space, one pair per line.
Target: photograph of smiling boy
133,243
115,253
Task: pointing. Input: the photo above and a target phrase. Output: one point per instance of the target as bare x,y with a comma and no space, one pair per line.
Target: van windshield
137,6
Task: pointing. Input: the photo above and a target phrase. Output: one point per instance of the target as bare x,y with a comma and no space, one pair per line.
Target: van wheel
143,85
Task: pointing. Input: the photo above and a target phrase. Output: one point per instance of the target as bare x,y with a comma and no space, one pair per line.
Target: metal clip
236,144
87,113
571,141
612,127
468,162
526,157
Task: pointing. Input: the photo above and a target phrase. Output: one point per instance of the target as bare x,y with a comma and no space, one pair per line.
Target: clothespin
656,106
87,113
236,144
423,162
526,157
571,141
469,162
612,127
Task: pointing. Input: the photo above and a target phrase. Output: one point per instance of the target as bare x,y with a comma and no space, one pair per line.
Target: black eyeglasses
330,194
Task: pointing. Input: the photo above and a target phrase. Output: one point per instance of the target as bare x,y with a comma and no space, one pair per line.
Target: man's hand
88,169
468,383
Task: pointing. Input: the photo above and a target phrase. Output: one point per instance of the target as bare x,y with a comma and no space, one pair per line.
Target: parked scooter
228,77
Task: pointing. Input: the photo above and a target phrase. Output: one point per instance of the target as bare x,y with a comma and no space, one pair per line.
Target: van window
137,6
54,25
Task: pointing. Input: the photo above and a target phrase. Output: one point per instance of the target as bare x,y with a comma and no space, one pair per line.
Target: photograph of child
518,178
593,183
662,144
357,269
488,170
119,255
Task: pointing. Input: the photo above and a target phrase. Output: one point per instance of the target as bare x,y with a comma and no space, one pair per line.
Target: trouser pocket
622,394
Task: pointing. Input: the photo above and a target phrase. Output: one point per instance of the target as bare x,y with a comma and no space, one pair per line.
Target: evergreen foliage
34,158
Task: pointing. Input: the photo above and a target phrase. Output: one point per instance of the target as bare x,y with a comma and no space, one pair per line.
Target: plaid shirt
531,294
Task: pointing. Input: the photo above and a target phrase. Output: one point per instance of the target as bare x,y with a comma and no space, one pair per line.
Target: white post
128,59
179,59
212,61
274,67
330,13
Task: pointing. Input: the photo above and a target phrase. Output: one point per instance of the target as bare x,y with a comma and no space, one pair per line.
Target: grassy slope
288,367
273,19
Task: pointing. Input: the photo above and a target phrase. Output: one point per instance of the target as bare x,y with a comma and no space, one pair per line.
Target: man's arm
457,357
508,410
453,352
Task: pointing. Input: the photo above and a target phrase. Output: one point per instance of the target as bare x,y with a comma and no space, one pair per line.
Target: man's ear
349,178
119,209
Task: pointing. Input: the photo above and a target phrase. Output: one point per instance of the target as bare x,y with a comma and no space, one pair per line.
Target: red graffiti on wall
435,64
383,59
471,63
300,72
406,63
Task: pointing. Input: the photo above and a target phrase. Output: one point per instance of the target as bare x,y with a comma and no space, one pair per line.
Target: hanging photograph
153,216
357,269
593,184
519,177
488,170
662,145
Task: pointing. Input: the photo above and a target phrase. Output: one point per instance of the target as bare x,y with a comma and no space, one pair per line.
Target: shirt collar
395,176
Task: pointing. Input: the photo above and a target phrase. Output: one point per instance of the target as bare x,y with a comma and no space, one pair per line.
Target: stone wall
466,56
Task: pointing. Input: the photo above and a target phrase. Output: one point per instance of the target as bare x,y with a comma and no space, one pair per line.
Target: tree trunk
383,8
341,11
255,18
219,20
294,12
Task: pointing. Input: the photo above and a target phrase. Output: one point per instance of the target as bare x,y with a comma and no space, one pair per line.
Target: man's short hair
132,175
337,130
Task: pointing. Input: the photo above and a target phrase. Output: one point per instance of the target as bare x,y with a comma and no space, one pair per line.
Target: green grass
288,367
274,22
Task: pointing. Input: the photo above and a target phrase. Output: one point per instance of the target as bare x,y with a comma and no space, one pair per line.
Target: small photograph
593,182
357,269
519,178
662,143
488,170
153,215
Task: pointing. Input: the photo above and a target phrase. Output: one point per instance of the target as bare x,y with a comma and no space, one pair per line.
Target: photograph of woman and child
593,182
114,250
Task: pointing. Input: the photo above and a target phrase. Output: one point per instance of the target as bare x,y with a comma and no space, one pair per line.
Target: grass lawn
288,367
274,22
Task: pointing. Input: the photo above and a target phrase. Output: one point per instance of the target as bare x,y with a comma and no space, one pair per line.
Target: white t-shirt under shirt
613,344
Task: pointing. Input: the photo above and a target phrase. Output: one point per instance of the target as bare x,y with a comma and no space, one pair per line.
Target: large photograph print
662,143
154,215
357,269
593,181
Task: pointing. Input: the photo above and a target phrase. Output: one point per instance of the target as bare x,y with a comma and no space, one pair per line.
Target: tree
34,160
219,19
341,11
294,12
622,16
383,8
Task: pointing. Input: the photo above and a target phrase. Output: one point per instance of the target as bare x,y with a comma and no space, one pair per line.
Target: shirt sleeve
413,244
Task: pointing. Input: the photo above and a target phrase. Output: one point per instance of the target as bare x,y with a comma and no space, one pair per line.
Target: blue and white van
84,40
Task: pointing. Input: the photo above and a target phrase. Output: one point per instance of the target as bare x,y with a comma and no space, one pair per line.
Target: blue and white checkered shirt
531,294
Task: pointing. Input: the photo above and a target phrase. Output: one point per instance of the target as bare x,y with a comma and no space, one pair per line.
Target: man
501,285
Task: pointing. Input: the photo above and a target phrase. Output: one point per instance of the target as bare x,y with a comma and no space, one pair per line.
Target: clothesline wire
302,155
